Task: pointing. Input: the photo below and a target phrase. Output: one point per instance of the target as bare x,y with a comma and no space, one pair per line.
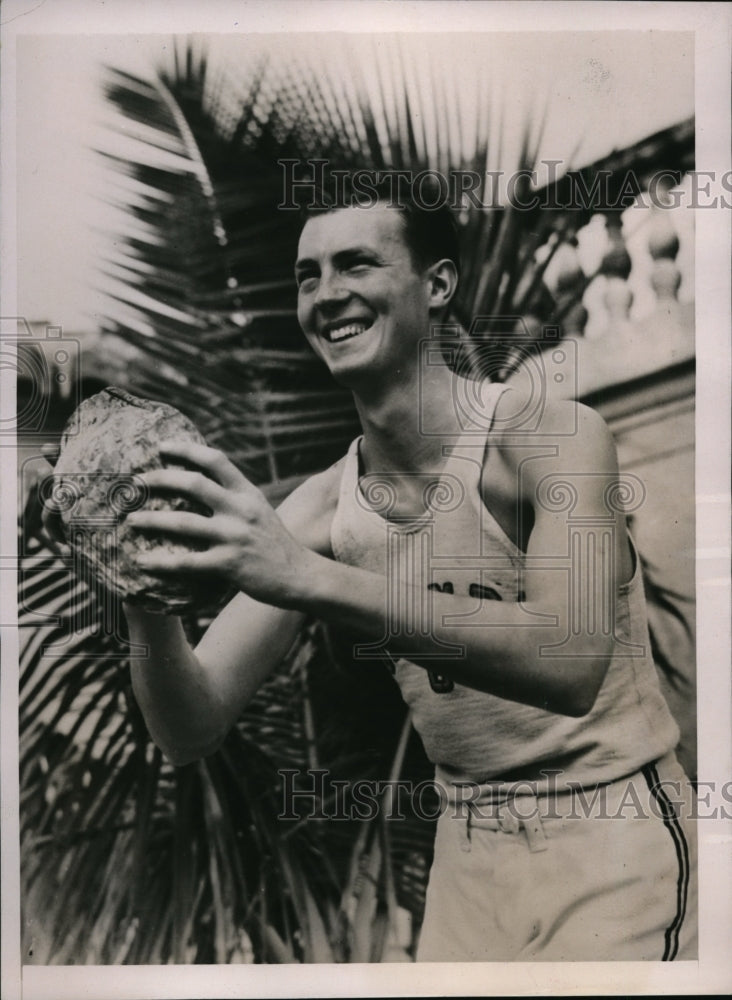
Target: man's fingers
211,460
194,485
172,523
160,561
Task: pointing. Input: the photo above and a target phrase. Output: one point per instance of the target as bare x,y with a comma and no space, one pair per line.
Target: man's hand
246,541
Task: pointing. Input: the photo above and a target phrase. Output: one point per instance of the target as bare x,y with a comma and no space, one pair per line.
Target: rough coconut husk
111,438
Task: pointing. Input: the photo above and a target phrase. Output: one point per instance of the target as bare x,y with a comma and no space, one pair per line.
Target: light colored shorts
605,874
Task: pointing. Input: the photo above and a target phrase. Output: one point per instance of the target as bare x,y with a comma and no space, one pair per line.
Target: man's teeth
342,332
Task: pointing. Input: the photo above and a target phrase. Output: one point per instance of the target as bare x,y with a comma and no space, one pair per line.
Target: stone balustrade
622,270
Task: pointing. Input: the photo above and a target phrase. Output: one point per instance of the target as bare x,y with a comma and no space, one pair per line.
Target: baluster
615,268
663,245
569,288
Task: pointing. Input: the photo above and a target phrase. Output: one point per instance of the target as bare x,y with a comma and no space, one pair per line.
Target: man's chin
349,375
358,360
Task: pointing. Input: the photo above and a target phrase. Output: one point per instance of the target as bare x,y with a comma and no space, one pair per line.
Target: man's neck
394,437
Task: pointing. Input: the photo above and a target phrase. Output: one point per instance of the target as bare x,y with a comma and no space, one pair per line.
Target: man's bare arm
191,698
505,644
503,649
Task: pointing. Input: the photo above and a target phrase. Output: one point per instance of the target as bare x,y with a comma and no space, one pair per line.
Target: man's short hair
431,234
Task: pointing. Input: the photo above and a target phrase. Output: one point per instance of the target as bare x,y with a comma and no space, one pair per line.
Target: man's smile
344,329
362,302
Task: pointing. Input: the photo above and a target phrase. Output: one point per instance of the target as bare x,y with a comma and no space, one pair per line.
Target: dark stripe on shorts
671,822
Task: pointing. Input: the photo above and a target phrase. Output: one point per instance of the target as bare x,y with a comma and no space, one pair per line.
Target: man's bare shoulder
572,446
308,511
573,431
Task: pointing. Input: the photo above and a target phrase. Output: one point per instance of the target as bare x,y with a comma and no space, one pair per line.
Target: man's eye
305,280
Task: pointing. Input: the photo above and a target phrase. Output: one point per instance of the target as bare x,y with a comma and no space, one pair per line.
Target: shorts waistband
490,793
477,807
505,819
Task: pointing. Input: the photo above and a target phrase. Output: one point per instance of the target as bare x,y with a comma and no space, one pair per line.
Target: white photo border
712,26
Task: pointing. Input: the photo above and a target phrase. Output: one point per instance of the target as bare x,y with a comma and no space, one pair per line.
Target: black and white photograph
365,449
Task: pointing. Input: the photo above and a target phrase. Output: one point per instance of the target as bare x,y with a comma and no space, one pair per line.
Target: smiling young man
512,619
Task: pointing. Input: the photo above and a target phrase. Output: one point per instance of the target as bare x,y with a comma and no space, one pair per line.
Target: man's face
361,304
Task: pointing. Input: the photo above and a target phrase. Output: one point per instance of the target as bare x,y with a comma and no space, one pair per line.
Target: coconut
110,439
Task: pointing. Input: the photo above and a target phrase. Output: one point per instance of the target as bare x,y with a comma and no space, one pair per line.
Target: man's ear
443,280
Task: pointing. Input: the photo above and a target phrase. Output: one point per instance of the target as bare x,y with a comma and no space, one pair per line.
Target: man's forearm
499,647
174,693
191,698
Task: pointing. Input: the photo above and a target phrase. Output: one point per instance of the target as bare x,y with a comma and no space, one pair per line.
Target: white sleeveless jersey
459,548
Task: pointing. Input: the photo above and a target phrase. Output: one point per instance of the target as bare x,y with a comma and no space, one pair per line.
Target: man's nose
332,290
